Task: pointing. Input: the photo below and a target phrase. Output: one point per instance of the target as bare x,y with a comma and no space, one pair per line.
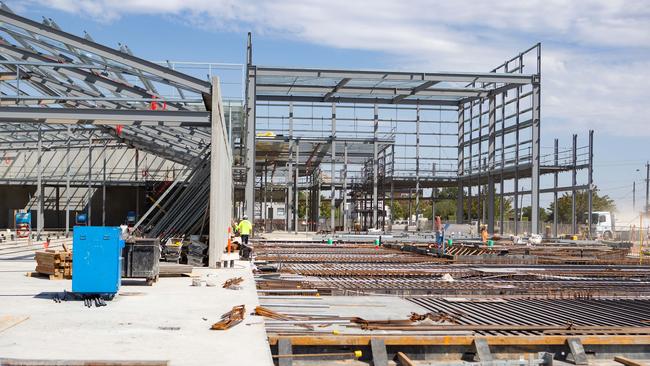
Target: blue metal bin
96,260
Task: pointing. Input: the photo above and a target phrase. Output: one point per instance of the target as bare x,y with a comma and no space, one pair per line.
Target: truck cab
603,223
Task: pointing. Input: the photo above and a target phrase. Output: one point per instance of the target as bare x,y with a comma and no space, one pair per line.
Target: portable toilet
23,222
97,260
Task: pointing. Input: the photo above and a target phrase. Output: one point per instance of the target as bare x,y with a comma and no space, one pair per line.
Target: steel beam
395,75
106,52
104,116
358,100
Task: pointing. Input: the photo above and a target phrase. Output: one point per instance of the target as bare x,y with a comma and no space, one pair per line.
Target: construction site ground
167,321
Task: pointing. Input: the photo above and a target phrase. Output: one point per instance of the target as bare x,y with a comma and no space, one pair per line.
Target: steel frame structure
493,121
67,101
364,136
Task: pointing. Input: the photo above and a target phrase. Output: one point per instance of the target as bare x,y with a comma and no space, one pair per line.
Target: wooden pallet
57,264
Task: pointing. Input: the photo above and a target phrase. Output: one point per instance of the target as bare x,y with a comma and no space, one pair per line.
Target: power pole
647,186
633,196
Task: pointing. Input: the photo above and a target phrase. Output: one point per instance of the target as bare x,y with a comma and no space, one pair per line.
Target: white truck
604,224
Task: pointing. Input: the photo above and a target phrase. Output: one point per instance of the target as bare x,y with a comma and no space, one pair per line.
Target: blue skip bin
96,260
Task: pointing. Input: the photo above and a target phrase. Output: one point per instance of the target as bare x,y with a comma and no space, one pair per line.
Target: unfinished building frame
77,116
410,132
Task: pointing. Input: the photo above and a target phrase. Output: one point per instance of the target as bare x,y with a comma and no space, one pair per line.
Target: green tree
527,212
302,204
397,210
599,203
476,211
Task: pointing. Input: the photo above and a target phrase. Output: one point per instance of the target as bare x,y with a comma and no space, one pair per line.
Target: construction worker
245,228
484,235
439,229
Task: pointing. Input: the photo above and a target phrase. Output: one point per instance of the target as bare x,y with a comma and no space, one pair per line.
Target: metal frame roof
50,78
381,87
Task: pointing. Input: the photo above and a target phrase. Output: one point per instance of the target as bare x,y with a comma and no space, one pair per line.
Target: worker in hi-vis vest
245,229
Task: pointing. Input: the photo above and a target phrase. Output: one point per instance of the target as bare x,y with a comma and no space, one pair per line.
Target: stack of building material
197,254
55,263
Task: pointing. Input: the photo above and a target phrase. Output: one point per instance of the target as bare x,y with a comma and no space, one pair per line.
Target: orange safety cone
229,242
46,244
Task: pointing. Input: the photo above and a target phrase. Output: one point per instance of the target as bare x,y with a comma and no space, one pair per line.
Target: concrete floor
137,325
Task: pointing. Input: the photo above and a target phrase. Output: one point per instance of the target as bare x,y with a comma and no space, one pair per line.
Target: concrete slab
168,321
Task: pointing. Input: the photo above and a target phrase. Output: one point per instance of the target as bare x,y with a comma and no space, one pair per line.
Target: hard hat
245,217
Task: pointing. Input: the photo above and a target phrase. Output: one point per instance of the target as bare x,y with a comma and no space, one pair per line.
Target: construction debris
230,319
233,283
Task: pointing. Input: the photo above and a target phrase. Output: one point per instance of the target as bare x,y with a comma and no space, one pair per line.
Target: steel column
296,191
417,167
250,132
39,187
104,189
67,184
292,206
536,148
333,173
90,168
491,161
590,180
460,164
574,149
345,187
555,183
375,201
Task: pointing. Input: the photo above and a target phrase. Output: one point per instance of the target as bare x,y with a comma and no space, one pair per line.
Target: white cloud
596,53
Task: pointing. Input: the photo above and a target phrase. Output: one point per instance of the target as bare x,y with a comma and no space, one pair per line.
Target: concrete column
220,176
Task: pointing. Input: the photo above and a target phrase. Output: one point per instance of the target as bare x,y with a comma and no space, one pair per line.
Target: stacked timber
55,263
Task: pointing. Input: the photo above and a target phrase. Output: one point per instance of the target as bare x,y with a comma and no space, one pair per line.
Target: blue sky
596,54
